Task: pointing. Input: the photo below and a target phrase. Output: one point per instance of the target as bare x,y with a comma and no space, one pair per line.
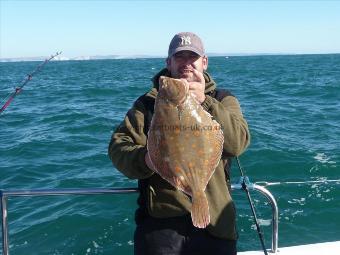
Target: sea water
56,132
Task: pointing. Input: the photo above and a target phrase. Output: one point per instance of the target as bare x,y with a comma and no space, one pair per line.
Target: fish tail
200,210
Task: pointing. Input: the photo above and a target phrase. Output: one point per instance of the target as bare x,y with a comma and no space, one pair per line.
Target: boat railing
5,194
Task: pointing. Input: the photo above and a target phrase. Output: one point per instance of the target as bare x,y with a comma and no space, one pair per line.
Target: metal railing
102,191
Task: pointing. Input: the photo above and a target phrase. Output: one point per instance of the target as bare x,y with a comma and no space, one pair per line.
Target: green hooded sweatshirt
127,151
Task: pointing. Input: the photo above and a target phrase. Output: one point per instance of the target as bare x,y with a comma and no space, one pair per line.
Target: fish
184,144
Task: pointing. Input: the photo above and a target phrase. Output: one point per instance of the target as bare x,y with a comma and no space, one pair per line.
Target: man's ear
205,63
168,62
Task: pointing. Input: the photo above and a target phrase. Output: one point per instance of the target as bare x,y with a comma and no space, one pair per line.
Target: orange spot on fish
177,130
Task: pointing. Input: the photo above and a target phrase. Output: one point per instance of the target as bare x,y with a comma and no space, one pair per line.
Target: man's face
181,65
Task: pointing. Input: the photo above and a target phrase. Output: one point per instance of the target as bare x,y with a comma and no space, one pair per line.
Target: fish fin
200,210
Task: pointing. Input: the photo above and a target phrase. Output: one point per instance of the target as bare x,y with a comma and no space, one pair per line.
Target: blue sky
87,28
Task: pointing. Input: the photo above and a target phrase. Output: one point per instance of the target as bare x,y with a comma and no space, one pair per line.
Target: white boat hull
328,248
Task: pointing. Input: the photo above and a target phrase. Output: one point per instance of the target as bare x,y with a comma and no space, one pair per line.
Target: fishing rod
244,183
29,77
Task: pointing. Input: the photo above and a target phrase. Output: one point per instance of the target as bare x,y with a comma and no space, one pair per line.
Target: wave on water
55,134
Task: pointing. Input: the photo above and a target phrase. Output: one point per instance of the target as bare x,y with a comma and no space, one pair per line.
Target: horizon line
138,56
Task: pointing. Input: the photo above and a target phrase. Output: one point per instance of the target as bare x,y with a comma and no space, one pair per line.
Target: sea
55,135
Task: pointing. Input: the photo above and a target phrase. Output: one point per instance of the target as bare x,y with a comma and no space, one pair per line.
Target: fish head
173,90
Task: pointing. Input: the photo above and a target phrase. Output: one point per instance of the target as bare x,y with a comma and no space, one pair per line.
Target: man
163,218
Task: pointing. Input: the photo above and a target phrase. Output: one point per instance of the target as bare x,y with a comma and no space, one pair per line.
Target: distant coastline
79,58
102,57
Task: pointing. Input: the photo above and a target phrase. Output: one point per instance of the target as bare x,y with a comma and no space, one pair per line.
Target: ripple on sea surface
56,132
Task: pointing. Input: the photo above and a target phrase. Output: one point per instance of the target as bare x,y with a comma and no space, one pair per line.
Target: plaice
184,144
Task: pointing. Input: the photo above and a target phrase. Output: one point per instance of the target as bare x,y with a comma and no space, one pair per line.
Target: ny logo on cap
185,40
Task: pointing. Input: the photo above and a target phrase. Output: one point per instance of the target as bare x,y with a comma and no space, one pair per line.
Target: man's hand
197,87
